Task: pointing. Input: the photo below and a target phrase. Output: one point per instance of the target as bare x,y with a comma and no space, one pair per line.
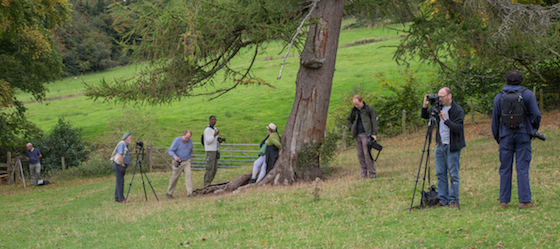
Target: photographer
181,152
121,159
450,140
362,122
211,147
513,133
32,155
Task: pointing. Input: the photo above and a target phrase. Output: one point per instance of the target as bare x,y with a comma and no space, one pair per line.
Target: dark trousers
211,167
119,185
520,145
366,164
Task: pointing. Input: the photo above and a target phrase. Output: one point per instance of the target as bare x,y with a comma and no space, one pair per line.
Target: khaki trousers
211,167
185,166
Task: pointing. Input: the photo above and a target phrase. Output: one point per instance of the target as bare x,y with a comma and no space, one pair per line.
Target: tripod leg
428,135
149,182
143,184
22,175
130,185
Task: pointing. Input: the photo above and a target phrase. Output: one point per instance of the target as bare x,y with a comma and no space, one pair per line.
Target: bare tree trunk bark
307,122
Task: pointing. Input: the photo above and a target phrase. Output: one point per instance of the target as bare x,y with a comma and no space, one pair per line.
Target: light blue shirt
120,151
444,131
181,149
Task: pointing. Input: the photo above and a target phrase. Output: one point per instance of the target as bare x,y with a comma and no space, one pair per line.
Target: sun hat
271,127
126,134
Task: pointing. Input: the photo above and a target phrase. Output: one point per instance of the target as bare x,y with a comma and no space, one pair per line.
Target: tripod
428,140
139,158
18,162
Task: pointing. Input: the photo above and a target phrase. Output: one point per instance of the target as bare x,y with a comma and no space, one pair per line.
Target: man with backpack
515,118
362,122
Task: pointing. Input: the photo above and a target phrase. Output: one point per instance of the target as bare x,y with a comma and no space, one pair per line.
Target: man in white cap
121,159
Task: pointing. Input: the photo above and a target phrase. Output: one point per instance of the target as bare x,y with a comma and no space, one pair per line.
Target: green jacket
274,139
369,120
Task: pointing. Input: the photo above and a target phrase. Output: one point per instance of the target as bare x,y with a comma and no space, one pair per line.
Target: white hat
271,127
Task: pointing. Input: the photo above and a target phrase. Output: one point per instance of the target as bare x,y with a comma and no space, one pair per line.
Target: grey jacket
369,121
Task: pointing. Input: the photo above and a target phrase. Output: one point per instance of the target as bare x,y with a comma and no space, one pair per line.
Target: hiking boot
525,205
169,196
253,180
372,177
439,204
453,204
190,195
503,204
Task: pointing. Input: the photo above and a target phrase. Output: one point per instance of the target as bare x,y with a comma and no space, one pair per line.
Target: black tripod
139,158
428,140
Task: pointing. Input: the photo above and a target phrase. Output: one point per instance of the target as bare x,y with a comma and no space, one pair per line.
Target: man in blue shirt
181,152
121,160
33,155
515,141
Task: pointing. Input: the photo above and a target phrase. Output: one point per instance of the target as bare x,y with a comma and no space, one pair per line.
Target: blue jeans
447,161
520,145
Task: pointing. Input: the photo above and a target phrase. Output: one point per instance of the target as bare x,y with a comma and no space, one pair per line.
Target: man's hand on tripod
374,137
442,116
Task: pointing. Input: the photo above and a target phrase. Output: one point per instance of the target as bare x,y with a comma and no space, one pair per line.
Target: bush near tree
63,140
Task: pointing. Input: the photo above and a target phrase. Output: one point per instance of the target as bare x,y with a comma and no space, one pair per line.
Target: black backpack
513,108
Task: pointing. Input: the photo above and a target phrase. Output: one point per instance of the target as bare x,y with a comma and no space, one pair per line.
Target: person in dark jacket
515,141
450,139
362,122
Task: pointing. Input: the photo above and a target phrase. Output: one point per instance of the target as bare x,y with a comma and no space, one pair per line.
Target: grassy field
81,213
243,113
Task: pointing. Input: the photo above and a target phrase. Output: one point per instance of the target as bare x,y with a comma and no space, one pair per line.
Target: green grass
242,113
80,213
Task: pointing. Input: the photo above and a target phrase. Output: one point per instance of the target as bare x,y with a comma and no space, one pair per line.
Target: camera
538,135
433,98
221,139
140,144
17,154
178,163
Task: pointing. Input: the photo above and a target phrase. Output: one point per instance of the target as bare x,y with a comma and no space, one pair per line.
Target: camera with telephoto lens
538,135
221,139
17,154
178,163
140,144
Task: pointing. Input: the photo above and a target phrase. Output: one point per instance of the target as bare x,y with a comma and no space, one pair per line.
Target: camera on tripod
434,100
221,139
140,144
17,154
538,135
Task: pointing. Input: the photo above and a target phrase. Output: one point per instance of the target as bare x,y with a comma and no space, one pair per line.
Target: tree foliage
89,42
496,35
187,42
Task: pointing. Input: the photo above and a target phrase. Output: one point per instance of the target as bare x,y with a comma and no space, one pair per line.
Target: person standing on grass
33,155
181,152
515,138
450,139
121,159
211,147
362,122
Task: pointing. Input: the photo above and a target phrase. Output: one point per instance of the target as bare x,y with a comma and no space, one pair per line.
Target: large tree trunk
308,119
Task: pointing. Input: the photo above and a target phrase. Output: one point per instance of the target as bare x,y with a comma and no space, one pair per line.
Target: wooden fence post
541,99
63,163
344,137
149,158
404,122
472,111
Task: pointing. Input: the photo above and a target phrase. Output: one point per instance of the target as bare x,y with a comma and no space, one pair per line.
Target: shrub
95,166
62,141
